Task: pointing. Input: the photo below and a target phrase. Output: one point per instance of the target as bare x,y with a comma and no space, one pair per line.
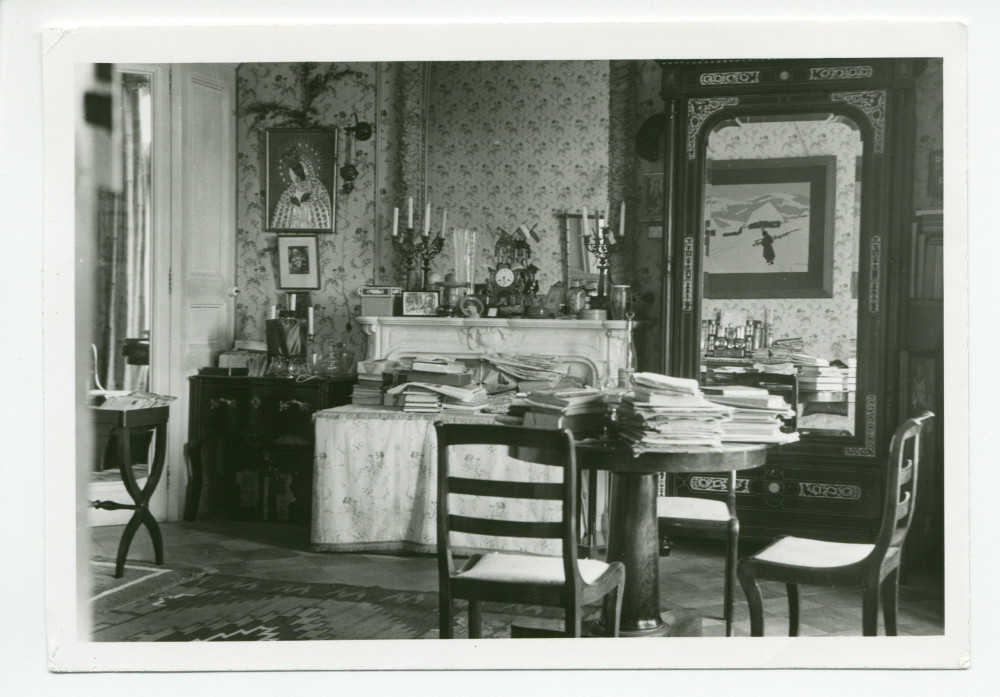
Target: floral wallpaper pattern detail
515,142
346,256
828,326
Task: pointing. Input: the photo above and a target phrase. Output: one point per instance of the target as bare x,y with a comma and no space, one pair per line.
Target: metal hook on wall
361,130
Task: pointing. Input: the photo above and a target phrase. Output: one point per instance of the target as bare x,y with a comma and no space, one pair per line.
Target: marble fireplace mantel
592,349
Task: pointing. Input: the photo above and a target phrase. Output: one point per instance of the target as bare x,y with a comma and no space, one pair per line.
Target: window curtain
123,244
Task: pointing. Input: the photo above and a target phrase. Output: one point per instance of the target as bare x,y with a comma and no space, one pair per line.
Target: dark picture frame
300,193
298,262
770,225
651,197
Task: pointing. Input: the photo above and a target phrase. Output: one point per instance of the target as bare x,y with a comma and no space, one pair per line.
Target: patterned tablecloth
375,483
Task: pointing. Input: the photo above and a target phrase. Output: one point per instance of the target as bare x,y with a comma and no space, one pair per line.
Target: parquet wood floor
691,576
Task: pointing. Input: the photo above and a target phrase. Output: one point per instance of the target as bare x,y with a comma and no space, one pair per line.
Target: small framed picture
298,262
651,202
420,303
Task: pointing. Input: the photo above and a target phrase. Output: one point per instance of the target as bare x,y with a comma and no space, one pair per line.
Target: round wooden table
632,530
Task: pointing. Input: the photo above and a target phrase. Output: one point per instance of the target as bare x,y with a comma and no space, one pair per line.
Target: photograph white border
589,42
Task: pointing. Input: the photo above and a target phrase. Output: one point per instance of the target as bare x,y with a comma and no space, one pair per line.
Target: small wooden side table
123,424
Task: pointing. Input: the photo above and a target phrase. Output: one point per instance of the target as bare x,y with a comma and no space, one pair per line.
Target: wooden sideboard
250,442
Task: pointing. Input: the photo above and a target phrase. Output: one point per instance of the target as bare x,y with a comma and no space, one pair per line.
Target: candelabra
418,249
602,246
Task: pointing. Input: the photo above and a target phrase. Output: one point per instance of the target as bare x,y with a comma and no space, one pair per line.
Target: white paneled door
202,249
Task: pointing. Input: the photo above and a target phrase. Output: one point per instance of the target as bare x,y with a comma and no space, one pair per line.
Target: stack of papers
756,416
125,401
423,396
665,414
528,367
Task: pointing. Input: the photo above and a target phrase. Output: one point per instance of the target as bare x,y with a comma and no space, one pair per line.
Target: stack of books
581,410
828,379
667,414
430,397
757,414
374,378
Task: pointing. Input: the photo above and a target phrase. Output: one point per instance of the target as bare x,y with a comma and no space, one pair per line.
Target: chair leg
869,609
611,613
475,619
732,558
446,612
793,609
752,591
890,601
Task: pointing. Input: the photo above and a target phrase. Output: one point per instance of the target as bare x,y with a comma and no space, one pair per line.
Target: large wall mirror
780,251
786,194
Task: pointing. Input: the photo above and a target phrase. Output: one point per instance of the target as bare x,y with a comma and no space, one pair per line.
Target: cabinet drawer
291,408
222,406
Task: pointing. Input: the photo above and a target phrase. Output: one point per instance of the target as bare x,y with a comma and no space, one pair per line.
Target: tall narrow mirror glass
782,225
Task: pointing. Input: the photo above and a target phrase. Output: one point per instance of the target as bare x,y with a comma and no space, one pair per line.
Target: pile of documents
581,410
528,368
429,397
667,414
757,414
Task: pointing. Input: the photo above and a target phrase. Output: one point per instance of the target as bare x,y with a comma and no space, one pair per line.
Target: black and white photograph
761,465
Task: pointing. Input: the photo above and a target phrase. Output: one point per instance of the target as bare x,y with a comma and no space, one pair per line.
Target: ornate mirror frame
877,95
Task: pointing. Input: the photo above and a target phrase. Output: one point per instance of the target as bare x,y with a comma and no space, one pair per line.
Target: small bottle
576,299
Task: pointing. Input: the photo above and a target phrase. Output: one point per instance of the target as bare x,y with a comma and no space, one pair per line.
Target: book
437,365
667,383
567,397
772,401
740,390
454,379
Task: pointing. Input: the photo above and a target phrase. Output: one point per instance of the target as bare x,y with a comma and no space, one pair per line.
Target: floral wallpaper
827,326
511,143
347,256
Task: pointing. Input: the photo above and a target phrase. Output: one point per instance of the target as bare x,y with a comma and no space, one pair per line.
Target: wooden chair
565,581
706,519
873,567
713,519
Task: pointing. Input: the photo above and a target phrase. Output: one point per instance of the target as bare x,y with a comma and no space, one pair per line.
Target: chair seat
526,568
689,508
799,551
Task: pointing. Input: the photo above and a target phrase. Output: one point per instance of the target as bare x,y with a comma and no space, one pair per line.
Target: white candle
427,220
409,213
395,221
621,223
586,225
274,311
291,301
310,320
444,221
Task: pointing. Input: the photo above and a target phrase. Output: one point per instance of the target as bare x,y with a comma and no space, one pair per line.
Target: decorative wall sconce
361,130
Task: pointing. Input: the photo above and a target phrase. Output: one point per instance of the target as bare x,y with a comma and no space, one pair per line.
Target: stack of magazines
430,397
581,410
667,414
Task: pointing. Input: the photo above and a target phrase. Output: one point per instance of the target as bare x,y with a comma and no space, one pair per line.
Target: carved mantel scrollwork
487,339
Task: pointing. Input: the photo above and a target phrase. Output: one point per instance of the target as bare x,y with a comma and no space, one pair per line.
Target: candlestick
291,301
586,225
444,221
274,312
427,220
409,212
395,221
621,223
310,315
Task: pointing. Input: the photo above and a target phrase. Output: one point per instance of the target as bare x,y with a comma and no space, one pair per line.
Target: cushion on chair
690,508
525,568
799,551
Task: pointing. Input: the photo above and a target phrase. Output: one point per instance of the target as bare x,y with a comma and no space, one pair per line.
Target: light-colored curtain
123,244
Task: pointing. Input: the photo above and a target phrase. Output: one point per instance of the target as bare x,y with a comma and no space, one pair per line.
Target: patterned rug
138,581
221,607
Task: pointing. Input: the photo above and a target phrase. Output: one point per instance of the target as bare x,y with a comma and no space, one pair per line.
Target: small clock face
504,278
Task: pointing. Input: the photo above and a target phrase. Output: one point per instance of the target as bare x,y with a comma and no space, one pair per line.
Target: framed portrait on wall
300,189
769,228
298,262
651,199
